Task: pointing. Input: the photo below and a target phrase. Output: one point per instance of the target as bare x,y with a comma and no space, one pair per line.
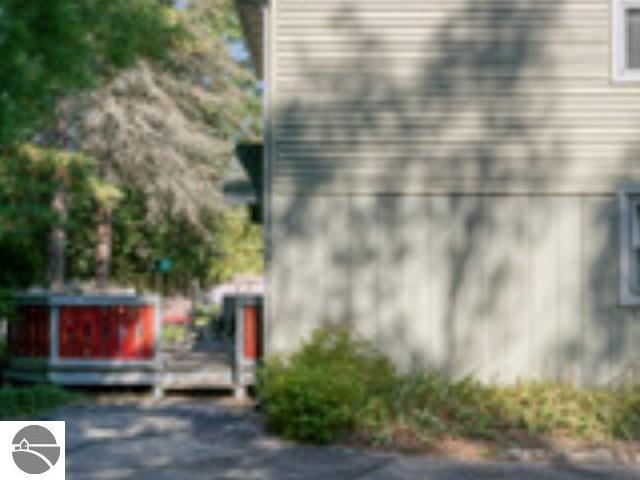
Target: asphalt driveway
184,439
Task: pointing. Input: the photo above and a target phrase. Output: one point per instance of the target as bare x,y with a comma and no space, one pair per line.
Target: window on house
626,40
629,201
633,38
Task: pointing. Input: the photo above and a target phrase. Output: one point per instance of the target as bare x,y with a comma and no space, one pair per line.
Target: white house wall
501,287
443,177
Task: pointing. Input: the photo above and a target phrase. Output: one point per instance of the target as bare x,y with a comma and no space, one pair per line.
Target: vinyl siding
500,287
443,176
482,95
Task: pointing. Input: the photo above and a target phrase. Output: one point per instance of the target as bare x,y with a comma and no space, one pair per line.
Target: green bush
319,392
16,402
337,385
205,316
173,333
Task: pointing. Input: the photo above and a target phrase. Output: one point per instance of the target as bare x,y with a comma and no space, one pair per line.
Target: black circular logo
35,449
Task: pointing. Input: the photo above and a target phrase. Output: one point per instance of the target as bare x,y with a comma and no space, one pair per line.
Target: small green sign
163,265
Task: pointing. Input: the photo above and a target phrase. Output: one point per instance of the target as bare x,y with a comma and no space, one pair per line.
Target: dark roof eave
243,182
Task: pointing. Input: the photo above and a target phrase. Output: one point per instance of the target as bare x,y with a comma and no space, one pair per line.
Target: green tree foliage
164,132
239,245
151,111
28,176
137,243
167,129
233,244
49,48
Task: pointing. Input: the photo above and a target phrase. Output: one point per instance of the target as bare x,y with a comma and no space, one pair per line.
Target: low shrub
25,401
338,385
317,394
172,333
626,415
433,405
204,315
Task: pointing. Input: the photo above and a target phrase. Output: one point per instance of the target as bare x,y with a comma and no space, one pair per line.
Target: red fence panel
252,333
147,348
112,333
29,333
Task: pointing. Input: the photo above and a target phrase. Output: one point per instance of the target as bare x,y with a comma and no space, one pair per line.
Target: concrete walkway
178,439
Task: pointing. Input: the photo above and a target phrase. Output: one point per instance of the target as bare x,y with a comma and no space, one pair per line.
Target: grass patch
339,387
33,400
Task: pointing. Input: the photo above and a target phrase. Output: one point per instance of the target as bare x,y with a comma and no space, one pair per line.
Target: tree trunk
58,240
59,207
103,247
